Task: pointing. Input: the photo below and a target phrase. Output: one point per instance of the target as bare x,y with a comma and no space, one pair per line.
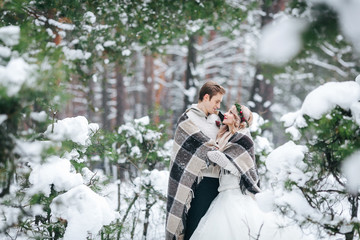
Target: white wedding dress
235,216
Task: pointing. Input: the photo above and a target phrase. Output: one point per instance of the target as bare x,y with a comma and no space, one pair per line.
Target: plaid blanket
188,158
238,157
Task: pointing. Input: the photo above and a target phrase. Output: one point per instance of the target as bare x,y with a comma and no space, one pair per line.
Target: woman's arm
220,159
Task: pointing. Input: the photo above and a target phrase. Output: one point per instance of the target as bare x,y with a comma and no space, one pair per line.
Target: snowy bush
40,156
136,146
312,178
143,144
54,200
132,156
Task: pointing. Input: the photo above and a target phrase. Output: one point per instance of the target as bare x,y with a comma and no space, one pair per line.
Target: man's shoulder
193,113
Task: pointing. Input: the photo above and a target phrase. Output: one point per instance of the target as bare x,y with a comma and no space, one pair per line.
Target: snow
355,110
257,97
323,100
85,212
350,168
11,215
265,200
288,173
159,182
135,152
294,132
37,209
281,40
90,17
158,179
5,52
299,204
76,129
237,4
57,171
63,26
38,116
136,129
51,33
10,35
126,52
357,79
3,118
190,93
75,54
142,121
262,144
286,162
349,19
73,155
31,151
89,175
194,26
99,48
166,151
257,122
13,82
109,43
290,117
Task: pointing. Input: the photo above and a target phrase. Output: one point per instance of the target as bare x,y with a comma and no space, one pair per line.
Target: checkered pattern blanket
238,157
189,157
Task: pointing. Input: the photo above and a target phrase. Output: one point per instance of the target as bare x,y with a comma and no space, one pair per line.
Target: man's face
212,104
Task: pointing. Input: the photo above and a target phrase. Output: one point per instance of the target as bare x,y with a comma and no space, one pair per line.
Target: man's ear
206,97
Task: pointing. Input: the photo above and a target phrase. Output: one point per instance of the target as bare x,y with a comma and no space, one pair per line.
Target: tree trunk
211,38
137,85
105,99
91,101
262,92
120,96
354,201
189,76
148,100
159,95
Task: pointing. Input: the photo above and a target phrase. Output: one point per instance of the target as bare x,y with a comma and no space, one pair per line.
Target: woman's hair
248,117
211,88
238,125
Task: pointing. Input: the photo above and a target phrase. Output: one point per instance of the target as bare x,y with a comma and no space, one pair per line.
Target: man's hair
211,88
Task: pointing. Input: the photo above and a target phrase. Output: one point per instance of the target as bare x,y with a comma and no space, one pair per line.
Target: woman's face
229,117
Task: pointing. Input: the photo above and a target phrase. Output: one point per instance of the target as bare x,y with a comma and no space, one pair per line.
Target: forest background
91,91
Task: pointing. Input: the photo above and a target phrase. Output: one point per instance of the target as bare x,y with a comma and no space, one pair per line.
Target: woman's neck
232,128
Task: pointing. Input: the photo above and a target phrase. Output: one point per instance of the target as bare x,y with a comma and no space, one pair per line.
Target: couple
213,177
203,151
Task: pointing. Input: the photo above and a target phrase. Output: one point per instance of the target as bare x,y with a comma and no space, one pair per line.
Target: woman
234,214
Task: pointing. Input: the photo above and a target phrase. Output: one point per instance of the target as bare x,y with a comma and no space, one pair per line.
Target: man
193,180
